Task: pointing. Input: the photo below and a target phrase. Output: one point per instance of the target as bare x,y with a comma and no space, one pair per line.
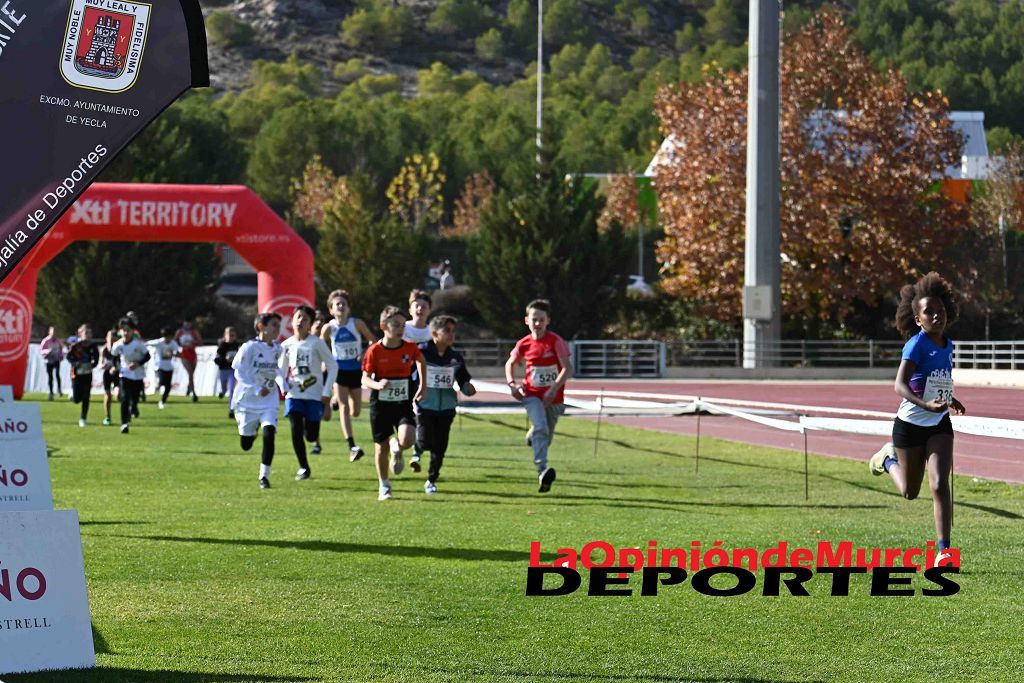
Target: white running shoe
877,461
81,423
397,464
429,488
385,493
161,405
944,558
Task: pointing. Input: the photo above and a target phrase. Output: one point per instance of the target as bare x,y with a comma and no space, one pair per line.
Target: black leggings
432,431
165,382
268,444
53,370
301,427
130,390
81,388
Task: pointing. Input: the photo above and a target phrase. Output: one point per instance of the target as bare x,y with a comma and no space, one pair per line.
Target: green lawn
197,575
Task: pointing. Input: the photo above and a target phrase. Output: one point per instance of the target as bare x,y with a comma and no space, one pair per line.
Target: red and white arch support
116,212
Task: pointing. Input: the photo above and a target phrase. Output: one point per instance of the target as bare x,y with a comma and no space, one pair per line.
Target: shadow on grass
998,512
523,466
119,675
471,554
620,501
505,674
655,451
612,480
99,642
106,522
590,439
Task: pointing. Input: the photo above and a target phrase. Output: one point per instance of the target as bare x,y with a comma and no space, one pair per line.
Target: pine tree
539,238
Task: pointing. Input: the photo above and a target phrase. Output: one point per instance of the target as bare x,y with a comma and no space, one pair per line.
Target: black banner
78,80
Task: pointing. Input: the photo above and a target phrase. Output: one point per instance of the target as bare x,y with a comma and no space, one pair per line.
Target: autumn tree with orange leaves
861,214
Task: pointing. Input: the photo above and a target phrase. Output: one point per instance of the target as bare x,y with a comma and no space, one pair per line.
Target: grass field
197,575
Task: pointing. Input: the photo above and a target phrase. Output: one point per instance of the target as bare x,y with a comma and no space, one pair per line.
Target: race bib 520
543,375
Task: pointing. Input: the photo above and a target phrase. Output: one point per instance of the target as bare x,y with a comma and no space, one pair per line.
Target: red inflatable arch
230,214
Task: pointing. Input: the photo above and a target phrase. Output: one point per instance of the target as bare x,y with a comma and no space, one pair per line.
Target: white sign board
44,608
19,421
24,476
6,394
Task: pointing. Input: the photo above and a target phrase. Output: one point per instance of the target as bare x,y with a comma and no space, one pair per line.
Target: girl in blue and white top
922,434
344,336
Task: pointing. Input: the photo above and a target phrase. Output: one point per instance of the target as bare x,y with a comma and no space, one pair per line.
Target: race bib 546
440,377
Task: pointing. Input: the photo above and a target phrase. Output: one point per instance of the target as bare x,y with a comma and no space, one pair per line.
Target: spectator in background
52,352
188,339
447,280
227,348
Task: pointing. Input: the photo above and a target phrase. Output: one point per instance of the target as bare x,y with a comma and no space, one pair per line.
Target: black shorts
110,380
350,379
386,416
909,435
165,377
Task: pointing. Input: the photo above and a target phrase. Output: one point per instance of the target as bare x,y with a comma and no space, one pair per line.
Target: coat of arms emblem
103,44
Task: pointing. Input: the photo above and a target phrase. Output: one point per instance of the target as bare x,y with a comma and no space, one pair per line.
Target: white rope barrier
668,405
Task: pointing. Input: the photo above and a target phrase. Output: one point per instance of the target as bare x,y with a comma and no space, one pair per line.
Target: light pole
540,73
761,317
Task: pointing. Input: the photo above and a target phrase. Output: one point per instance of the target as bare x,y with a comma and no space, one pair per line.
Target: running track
987,457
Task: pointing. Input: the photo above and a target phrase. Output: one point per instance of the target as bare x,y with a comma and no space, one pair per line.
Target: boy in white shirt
131,355
164,350
309,395
255,401
417,331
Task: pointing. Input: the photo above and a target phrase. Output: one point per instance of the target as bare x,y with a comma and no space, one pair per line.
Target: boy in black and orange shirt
387,372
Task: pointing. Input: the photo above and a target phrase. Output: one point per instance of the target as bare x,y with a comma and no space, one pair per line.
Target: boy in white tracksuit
255,401
308,400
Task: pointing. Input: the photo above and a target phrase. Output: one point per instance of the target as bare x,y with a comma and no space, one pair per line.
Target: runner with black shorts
344,336
387,372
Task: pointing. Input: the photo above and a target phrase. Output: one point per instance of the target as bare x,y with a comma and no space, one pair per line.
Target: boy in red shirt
387,371
548,368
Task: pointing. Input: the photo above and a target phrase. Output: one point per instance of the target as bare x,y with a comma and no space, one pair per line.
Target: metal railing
626,358
618,358
799,353
989,355
483,353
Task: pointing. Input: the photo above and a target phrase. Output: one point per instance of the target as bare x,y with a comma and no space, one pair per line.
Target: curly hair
933,285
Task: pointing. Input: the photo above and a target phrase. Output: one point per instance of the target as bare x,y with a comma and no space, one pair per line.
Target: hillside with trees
363,88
